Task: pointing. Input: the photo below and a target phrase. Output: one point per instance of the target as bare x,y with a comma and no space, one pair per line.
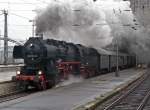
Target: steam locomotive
47,62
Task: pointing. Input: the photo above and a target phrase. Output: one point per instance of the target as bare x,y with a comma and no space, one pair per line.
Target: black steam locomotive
48,62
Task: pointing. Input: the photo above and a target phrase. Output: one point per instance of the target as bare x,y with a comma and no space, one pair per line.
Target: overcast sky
19,14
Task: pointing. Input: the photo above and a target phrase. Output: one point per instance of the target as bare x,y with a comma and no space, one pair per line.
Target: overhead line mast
5,37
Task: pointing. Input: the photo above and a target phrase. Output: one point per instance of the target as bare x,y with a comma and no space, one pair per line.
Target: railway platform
7,75
7,71
81,95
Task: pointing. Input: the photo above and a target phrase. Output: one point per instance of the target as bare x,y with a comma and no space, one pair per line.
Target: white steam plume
96,24
86,22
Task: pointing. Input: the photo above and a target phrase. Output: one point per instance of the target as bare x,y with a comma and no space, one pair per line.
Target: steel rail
144,101
7,97
14,96
126,94
17,94
9,94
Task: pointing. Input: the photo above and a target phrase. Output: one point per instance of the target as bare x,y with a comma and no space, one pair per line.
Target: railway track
9,91
14,95
135,97
7,87
147,105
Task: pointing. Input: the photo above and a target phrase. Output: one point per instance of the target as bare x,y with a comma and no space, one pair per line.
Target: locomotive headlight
18,72
39,72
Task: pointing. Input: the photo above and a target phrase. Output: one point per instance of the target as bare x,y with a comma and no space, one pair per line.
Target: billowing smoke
142,13
84,22
96,24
